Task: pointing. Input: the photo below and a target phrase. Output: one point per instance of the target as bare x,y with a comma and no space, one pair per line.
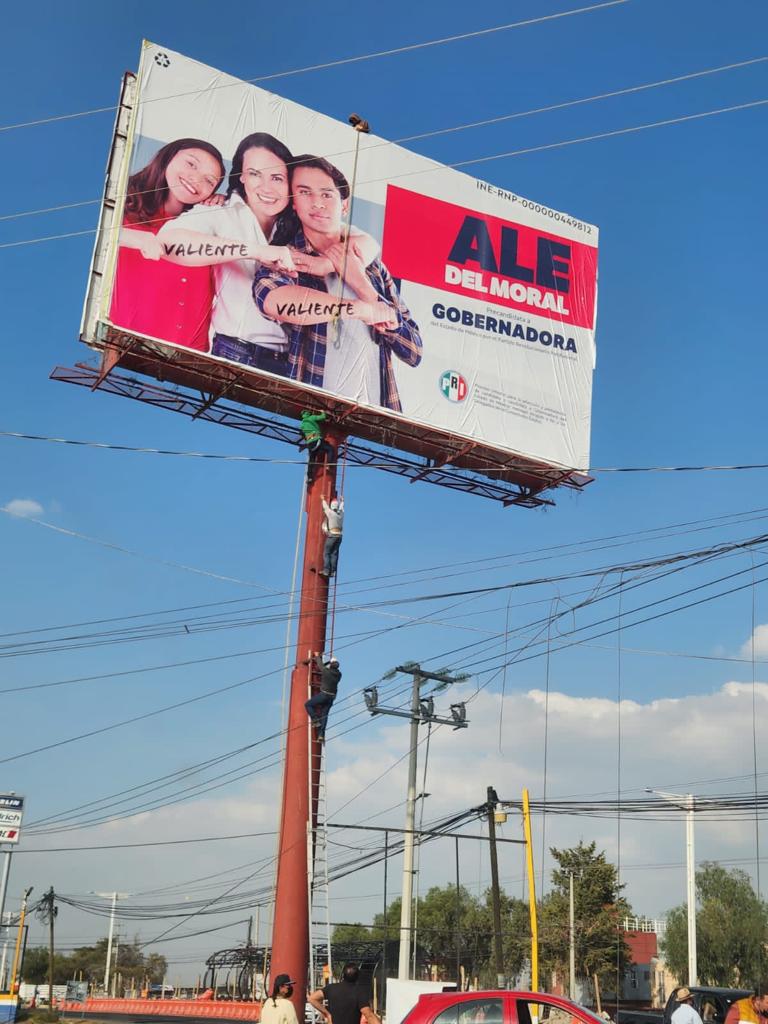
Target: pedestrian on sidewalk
750,1010
346,1000
685,1013
279,1009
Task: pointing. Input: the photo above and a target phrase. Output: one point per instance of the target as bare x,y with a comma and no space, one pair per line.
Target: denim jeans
318,450
331,553
249,354
318,708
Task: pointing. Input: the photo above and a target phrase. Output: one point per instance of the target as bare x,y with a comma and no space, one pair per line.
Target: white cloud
25,508
673,743
760,637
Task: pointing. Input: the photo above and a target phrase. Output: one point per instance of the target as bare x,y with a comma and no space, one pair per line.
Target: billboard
247,230
11,813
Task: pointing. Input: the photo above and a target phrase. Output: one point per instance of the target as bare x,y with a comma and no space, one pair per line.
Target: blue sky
680,380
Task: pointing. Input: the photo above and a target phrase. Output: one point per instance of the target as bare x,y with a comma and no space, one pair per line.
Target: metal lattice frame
245,961
447,462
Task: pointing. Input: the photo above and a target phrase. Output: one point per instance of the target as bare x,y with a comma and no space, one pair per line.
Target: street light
685,801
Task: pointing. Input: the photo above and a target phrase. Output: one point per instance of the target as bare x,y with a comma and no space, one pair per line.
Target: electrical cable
484,123
472,161
409,48
260,460
547,553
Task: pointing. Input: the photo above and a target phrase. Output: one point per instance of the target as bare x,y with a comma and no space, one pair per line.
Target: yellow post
531,894
17,951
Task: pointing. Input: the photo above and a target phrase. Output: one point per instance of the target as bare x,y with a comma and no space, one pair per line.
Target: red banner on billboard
454,249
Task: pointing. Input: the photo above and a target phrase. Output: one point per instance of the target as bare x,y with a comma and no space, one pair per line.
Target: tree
731,930
356,932
35,971
450,924
156,968
598,910
91,961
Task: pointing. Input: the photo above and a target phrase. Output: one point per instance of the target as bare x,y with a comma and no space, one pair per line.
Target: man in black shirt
319,704
347,1000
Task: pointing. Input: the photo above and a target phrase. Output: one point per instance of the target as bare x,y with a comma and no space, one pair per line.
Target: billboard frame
178,385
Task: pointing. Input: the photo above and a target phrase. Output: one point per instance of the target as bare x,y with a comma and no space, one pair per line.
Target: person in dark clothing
346,1000
319,704
311,427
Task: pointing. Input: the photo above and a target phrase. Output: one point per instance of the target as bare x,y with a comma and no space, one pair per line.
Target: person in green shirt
311,427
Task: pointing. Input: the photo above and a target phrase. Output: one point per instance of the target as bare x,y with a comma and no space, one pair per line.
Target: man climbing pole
313,440
332,528
319,704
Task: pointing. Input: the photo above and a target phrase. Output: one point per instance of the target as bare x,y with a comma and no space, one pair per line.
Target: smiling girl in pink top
151,295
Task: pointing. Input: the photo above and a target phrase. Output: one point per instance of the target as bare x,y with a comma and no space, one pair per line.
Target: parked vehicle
711,1004
497,1007
158,991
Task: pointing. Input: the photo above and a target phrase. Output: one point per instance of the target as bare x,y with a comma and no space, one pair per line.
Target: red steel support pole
290,936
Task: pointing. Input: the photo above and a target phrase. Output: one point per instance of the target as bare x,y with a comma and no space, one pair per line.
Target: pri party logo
454,386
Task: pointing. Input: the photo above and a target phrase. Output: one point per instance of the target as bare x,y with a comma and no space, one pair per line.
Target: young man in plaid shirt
342,329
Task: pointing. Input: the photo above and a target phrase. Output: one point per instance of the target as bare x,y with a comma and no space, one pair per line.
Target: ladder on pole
317,868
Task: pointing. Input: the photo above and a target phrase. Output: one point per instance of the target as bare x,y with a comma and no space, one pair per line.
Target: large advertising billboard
251,231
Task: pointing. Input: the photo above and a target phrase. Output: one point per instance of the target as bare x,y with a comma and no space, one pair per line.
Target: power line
486,122
472,161
409,48
220,456
159,842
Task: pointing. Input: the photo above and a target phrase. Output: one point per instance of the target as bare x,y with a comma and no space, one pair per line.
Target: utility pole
47,912
3,930
4,883
492,803
114,896
687,803
406,901
19,935
571,939
422,711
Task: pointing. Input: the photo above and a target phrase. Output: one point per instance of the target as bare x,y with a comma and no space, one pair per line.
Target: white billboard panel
259,232
11,813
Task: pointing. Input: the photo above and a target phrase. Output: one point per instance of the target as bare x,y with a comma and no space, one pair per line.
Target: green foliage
351,933
90,961
731,930
36,967
599,909
448,923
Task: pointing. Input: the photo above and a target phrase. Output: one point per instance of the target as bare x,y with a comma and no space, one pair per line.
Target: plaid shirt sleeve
264,283
405,339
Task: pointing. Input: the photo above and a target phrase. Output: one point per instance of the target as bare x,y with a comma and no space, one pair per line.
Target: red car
498,1008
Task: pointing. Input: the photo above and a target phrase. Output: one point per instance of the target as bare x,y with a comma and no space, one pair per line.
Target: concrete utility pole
114,896
571,939
4,883
421,711
686,802
493,801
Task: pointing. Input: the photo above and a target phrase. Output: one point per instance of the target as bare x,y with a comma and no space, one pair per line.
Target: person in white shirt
685,1013
279,1009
